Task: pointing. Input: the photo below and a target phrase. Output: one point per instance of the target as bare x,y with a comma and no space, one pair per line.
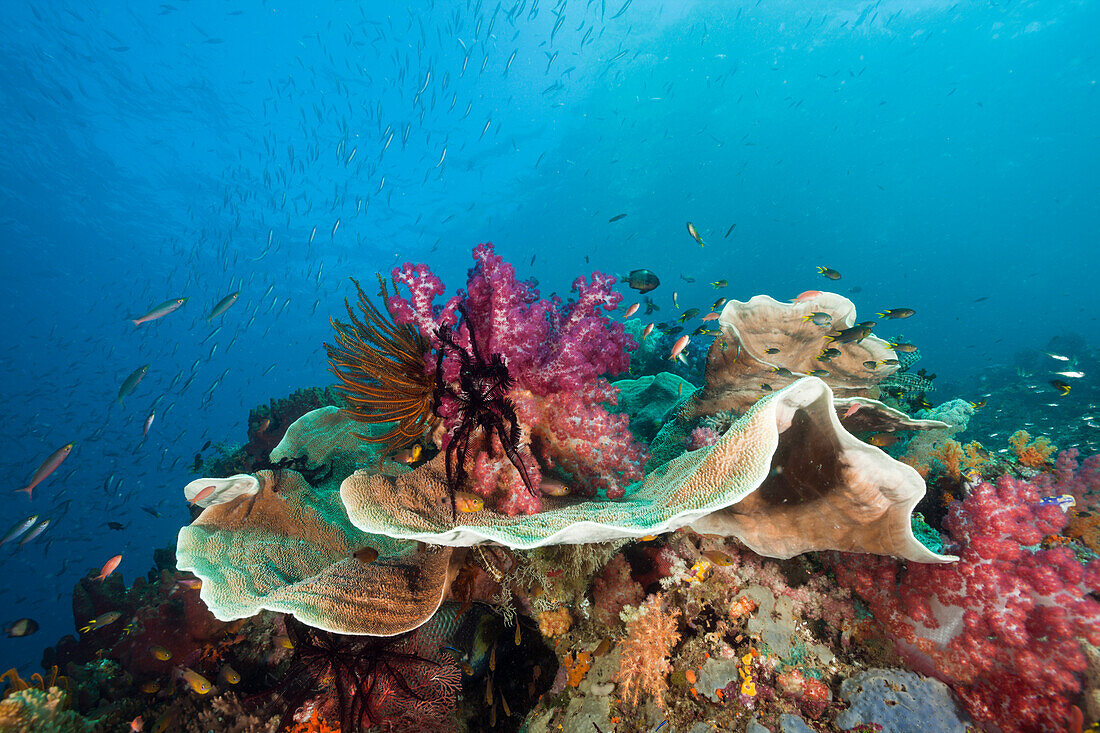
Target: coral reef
41,711
899,700
867,496
404,683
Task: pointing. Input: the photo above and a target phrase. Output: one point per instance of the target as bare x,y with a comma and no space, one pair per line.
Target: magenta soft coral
1001,625
557,353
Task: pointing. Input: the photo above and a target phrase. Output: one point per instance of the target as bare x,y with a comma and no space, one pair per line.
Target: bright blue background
934,153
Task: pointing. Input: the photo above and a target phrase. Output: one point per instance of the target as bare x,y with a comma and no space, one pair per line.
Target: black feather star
482,403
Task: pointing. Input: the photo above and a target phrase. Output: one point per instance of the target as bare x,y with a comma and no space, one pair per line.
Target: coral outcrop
765,345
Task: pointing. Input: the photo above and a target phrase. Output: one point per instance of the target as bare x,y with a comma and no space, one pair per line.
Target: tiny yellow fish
160,653
648,538
283,642
409,456
151,687
196,681
230,675
717,557
466,502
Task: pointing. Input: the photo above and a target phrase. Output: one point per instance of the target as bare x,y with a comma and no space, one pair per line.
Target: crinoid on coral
381,367
481,405
400,683
557,356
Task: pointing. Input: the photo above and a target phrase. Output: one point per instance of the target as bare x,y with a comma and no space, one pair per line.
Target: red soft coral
1001,625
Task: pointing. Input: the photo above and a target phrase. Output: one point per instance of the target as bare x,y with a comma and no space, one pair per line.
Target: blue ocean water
942,156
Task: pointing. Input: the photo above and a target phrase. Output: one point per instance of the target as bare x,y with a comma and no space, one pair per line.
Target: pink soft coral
557,353
613,589
1001,625
1082,481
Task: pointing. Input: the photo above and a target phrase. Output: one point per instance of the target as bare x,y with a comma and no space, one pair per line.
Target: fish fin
136,323
28,491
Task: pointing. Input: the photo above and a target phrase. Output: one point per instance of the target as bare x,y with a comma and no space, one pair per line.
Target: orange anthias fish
806,295
680,345
852,409
48,466
205,493
109,567
632,310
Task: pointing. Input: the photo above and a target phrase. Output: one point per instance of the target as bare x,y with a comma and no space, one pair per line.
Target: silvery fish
224,303
160,311
131,382
18,529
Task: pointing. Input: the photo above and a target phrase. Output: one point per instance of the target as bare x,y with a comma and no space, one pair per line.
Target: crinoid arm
381,368
482,403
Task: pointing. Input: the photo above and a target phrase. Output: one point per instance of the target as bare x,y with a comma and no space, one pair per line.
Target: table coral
830,490
741,362
290,548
